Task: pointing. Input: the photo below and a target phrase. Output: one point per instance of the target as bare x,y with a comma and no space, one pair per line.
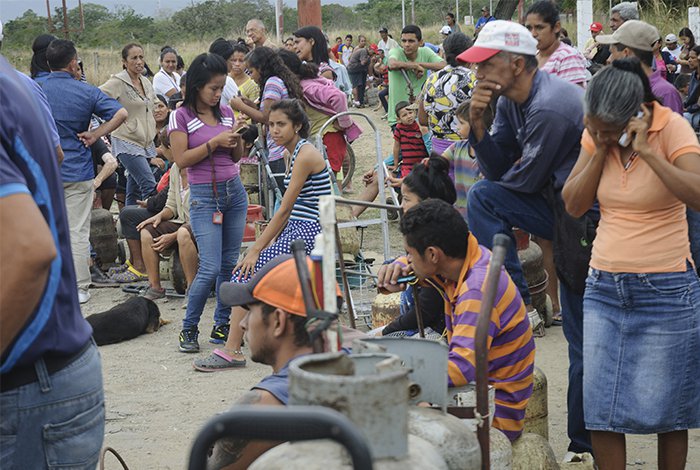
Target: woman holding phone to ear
642,299
204,140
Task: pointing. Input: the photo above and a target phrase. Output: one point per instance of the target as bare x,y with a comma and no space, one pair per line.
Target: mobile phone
625,139
409,279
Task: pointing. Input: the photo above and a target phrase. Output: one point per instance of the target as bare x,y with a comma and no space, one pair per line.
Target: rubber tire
351,168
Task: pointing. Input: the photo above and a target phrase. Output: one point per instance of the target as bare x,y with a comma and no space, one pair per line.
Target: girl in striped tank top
307,179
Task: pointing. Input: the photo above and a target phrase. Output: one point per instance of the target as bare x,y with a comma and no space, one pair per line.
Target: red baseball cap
596,27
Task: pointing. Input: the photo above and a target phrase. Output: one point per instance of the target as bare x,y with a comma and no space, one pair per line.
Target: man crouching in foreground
442,252
275,331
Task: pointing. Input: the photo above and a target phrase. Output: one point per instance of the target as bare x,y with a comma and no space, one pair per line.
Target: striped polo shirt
511,356
412,146
567,63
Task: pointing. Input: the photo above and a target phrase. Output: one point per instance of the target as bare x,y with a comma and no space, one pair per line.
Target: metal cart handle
296,423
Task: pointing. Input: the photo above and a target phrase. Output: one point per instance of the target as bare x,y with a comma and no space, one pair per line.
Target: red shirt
412,146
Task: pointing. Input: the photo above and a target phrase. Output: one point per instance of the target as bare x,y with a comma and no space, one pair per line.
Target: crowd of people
593,152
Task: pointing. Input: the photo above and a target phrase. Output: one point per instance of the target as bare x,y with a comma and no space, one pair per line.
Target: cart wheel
347,177
392,214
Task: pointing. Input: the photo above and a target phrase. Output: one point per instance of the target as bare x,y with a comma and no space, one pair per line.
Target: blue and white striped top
315,186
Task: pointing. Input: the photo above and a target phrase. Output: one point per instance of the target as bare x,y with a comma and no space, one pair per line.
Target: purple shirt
274,90
666,92
199,133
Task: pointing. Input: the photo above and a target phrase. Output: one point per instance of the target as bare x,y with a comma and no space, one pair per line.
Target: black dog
125,321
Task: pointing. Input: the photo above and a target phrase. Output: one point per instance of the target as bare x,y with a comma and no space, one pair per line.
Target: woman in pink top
554,56
641,337
204,141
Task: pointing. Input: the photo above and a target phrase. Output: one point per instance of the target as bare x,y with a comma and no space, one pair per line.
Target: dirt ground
156,402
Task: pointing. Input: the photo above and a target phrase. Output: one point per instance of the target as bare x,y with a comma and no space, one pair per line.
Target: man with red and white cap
275,331
590,48
525,159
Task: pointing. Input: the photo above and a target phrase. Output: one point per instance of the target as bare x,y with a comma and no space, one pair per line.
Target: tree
20,32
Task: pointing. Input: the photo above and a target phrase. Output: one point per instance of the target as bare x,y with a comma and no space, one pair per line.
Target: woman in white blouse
167,82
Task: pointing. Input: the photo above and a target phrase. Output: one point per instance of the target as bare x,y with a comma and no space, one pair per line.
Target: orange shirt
643,228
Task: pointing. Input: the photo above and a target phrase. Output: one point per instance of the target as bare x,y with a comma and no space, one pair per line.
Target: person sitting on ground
160,232
414,59
275,331
429,179
441,251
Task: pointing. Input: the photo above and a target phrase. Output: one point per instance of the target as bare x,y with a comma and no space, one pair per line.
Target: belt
26,375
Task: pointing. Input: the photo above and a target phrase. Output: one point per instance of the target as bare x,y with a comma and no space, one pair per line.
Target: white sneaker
83,296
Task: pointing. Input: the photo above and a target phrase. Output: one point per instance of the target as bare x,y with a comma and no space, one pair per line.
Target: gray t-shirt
359,60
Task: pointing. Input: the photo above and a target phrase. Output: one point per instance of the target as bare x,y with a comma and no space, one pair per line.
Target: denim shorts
641,352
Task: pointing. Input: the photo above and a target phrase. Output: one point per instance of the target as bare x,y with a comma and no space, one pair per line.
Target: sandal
216,361
130,275
153,294
119,269
557,319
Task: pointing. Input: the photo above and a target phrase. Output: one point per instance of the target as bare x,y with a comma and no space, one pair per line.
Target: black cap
383,29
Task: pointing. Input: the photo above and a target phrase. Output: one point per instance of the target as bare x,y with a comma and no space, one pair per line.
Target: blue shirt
483,20
35,88
277,384
537,142
72,105
28,166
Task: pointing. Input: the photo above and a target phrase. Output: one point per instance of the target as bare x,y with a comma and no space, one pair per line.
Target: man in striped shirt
442,252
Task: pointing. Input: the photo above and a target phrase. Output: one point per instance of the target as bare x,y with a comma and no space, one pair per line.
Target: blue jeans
140,182
58,421
493,209
572,306
641,346
219,244
694,235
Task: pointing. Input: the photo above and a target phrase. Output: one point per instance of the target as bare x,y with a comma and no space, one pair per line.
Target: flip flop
557,319
118,269
216,361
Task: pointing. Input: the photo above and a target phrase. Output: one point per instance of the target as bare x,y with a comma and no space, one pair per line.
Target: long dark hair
39,46
319,51
432,181
269,64
687,32
454,45
203,68
303,70
294,110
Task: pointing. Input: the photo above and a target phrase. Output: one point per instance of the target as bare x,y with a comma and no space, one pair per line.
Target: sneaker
188,340
219,334
83,296
153,294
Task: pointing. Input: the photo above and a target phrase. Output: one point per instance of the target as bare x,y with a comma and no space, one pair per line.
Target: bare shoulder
258,396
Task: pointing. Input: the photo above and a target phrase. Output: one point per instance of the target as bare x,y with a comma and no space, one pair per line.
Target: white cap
671,38
445,30
497,36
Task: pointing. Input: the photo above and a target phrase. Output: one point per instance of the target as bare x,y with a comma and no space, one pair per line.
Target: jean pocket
593,278
7,451
666,284
75,443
